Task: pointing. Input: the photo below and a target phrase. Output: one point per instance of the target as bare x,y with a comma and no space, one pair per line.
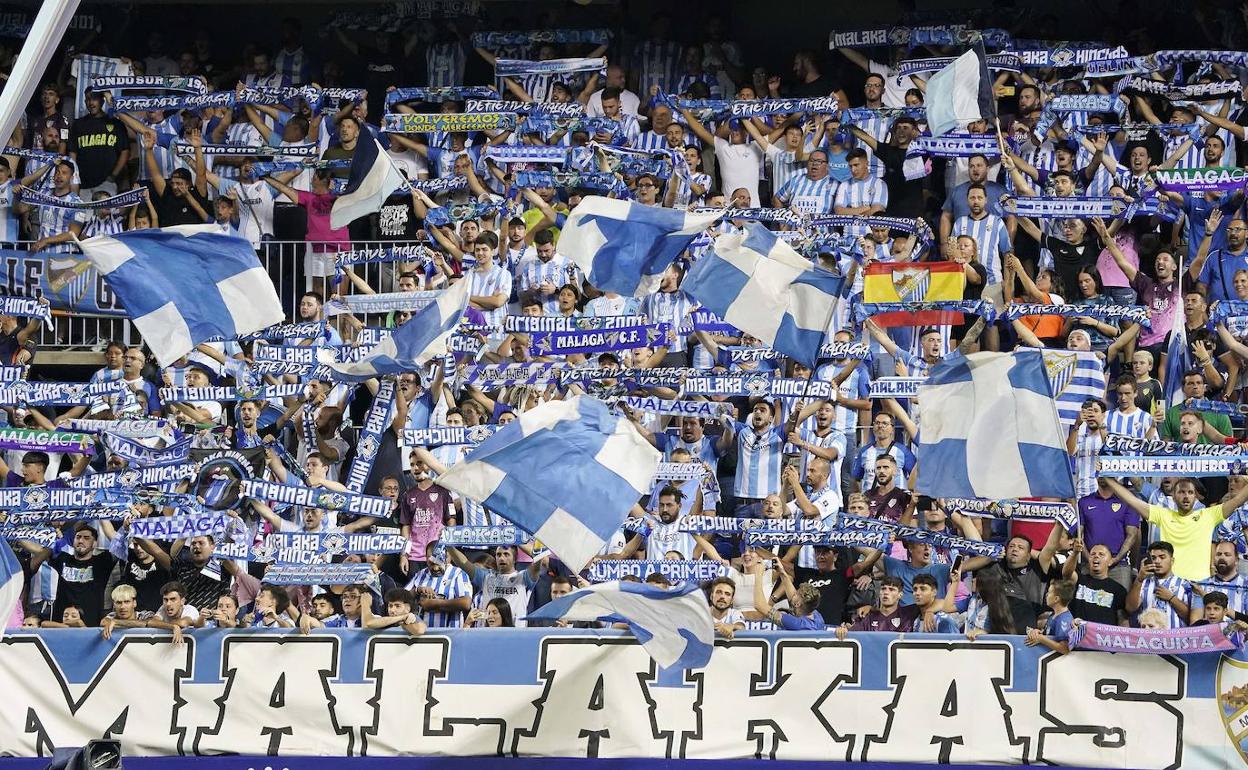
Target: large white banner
874,698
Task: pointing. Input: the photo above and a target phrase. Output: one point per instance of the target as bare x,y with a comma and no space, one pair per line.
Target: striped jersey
487,283
656,62
292,65
671,308
856,386
1087,447
533,272
759,460
1236,590
1136,425
668,537
110,225
685,82
809,196
54,221
1194,157
866,192
9,231
649,140
453,583
513,588
828,502
992,239
783,165
864,463
879,127
1178,586
445,64
684,193
834,439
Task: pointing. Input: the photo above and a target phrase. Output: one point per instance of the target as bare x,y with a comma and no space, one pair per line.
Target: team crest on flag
758,385
912,283
1232,694
1061,370
367,447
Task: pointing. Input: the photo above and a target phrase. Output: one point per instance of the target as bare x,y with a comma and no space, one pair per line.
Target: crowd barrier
878,698
87,314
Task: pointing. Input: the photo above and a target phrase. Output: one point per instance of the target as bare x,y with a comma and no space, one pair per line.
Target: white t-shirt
731,617
739,166
629,103
744,598
188,612
255,208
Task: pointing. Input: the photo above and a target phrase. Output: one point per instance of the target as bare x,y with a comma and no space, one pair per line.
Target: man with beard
886,500
1226,579
504,581
423,510
988,230
1098,598
883,442
145,572
82,571
1214,269
247,431
727,619
665,535
443,591
204,577
1024,573
1187,530
1157,587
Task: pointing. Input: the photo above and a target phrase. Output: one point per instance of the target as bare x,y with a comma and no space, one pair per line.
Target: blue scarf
440,185
954,145
136,454
566,109
1108,313
281,97
44,200
451,122
417,253
369,444
280,166
318,497
175,83
527,153
998,62
171,103
502,375
1055,207
26,308
461,212
496,40
506,68
748,108
563,180
1035,54
437,95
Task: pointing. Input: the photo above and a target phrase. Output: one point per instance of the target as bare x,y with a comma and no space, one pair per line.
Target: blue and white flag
11,579
183,285
673,625
1075,376
758,283
415,343
567,472
623,246
373,177
990,430
960,94
1178,361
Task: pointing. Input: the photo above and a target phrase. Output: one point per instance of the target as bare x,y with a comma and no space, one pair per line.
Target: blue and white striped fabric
760,461
11,579
54,221
445,64
758,283
990,430
85,69
992,238
567,472
809,196
624,247
1075,376
865,192
673,625
1136,425
412,345
373,177
183,285
960,94
453,583
670,307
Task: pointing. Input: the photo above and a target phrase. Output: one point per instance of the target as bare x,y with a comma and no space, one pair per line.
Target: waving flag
186,284
623,246
961,93
412,345
990,430
673,625
10,584
567,472
1075,376
1178,361
914,282
758,283
372,179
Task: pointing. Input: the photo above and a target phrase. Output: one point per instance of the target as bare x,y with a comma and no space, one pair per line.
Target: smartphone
792,459
957,563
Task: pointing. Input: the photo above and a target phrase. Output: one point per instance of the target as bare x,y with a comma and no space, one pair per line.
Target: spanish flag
914,282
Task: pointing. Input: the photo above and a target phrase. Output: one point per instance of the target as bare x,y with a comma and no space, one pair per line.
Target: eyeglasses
645,186
1237,229
812,161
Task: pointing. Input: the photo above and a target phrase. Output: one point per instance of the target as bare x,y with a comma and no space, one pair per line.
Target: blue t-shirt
903,570
1059,626
944,624
811,622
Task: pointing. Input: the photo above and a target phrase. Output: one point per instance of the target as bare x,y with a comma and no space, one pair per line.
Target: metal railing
285,261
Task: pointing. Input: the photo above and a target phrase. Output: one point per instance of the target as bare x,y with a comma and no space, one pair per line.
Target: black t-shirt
1069,258
1024,589
833,590
1099,600
82,583
203,585
98,142
173,210
905,196
820,86
147,580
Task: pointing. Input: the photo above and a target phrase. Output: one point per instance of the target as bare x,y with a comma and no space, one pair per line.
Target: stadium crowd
491,186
